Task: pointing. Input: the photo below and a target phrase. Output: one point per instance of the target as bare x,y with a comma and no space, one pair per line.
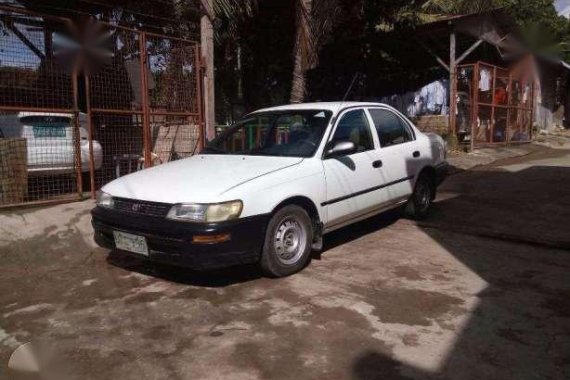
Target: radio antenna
350,87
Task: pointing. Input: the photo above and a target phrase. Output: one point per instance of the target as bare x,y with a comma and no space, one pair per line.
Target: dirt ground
480,290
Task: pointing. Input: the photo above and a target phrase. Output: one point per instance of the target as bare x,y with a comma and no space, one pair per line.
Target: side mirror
341,148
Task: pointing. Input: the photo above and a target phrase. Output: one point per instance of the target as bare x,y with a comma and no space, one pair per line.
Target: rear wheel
287,246
420,202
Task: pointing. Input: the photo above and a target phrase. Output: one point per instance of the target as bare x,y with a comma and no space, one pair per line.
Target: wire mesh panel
40,129
45,151
174,98
485,111
172,75
120,139
116,102
173,137
31,75
521,106
465,99
140,93
501,105
520,125
115,76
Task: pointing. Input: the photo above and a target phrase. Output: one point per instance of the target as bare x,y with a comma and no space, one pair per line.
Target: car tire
287,246
420,202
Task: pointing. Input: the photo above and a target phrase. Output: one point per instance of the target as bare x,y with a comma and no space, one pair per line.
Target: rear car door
399,152
352,181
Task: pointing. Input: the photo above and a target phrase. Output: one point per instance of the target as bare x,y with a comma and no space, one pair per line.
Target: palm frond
232,9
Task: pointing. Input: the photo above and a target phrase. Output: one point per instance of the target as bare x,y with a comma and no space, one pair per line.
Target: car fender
263,194
433,153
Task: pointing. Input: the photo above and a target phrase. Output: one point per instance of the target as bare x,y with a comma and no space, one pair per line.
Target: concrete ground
480,290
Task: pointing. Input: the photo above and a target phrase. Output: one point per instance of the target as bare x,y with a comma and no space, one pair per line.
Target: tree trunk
303,51
208,96
298,89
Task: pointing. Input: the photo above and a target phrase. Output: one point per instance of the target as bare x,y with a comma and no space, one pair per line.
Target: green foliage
541,27
265,32
456,7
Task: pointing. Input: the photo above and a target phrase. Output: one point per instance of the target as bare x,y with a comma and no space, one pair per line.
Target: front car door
352,181
398,152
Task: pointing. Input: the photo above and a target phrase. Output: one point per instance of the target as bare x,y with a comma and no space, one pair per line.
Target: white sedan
50,142
268,188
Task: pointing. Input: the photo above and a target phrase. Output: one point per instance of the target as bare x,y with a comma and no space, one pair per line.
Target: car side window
354,127
390,128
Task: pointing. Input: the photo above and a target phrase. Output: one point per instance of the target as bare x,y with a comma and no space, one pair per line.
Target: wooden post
474,103
207,43
452,85
492,137
145,104
90,135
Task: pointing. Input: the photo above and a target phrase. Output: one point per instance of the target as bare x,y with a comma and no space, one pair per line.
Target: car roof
329,106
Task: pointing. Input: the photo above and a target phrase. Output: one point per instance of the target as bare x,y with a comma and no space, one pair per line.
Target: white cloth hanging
485,80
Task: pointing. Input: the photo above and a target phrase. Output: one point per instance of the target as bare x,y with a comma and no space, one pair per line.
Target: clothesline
431,99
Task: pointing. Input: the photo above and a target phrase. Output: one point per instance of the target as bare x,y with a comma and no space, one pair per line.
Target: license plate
130,243
49,131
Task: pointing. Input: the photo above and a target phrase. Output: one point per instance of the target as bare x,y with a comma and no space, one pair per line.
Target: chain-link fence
83,105
40,126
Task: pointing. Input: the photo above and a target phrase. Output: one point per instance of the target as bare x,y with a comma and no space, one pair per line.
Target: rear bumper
441,172
171,241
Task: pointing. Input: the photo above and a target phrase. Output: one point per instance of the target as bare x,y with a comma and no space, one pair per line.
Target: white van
50,144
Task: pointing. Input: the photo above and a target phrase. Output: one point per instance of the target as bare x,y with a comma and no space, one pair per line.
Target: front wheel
287,246
420,202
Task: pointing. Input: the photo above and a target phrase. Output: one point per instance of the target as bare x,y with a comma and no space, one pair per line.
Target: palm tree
459,7
314,22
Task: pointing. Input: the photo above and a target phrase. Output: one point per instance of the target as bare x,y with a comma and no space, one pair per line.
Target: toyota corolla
271,186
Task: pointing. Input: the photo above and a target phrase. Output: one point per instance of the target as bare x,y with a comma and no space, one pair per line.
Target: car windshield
290,133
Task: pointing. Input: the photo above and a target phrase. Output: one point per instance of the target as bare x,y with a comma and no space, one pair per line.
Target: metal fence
495,105
80,107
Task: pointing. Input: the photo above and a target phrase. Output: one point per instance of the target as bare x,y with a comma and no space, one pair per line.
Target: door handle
416,154
377,164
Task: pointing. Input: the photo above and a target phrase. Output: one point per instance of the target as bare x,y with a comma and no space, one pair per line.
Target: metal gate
81,105
495,104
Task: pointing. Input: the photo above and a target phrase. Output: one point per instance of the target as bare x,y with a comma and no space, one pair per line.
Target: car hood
201,178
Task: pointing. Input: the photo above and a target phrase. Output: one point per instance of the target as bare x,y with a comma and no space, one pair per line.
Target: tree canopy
268,44
271,52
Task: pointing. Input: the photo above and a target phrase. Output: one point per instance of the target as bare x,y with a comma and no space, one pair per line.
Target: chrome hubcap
290,241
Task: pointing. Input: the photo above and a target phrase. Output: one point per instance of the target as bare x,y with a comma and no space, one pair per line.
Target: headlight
104,199
205,213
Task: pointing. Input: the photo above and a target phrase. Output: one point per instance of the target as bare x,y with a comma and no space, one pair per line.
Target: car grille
134,206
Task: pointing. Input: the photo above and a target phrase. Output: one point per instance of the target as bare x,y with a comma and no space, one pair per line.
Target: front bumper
171,241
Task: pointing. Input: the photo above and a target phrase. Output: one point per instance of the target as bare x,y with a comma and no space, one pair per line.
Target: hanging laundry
430,99
485,80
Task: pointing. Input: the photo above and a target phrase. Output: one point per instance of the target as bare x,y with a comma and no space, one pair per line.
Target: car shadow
355,231
185,276
519,327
